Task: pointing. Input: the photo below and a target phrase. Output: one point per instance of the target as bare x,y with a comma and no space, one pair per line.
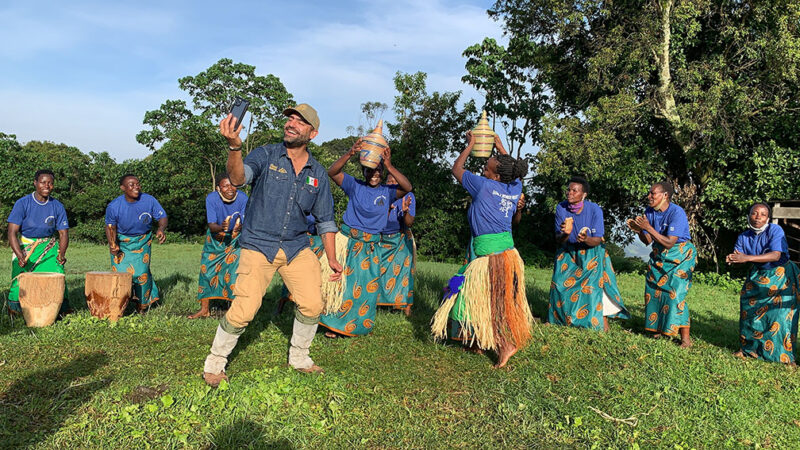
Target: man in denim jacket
288,184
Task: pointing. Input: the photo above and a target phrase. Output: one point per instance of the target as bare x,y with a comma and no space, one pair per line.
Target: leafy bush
723,280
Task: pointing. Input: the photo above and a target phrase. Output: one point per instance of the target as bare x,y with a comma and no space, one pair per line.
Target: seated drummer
37,217
129,219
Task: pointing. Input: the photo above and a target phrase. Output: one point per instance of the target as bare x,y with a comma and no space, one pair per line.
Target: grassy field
136,383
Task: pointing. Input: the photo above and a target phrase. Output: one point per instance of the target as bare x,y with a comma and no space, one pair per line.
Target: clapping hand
736,257
406,203
642,223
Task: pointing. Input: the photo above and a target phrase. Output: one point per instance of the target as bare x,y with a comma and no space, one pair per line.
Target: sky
84,73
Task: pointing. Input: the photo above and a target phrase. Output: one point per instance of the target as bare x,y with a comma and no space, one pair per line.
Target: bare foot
199,314
605,324
407,310
657,336
141,309
686,343
739,354
504,355
331,335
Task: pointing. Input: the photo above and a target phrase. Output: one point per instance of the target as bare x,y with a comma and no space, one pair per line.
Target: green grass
136,383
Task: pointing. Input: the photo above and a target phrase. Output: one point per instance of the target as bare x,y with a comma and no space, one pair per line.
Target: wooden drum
108,293
40,297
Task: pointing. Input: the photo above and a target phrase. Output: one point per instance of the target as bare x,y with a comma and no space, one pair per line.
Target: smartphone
238,109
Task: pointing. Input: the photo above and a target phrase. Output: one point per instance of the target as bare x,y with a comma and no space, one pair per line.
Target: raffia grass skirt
491,306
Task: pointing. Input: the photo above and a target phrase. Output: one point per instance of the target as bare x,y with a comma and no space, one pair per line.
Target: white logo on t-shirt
145,217
507,202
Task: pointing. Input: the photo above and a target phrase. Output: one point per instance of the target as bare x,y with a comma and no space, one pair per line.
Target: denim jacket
276,212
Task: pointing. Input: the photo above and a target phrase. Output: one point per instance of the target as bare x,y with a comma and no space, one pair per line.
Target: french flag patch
311,181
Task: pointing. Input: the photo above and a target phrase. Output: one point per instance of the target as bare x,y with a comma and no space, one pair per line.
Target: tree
512,91
186,143
212,91
371,112
430,131
703,93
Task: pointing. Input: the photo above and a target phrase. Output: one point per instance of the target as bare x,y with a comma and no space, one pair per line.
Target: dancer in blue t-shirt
351,312
486,300
225,209
672,261
129,219
583,291
398,254
38,218
768,300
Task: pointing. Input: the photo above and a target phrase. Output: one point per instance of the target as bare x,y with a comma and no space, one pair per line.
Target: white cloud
336,66
332,58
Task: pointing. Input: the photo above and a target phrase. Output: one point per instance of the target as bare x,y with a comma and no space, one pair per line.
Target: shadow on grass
167,284
715,329
425,307
35,407
246,434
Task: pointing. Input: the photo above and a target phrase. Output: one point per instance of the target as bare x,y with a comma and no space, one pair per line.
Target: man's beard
297,142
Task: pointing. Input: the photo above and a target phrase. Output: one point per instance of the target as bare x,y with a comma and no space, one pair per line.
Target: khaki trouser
303,278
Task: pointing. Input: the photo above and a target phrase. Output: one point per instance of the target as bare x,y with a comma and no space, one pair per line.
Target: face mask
757,231
575,208
225,200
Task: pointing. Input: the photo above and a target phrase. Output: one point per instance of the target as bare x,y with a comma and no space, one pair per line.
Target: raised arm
235,165
335,171
408,219
498,143
403,183
518,213
458,165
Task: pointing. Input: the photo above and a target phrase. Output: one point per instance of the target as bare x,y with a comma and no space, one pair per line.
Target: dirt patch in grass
141,394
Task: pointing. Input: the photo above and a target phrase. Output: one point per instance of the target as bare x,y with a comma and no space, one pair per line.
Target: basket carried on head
40,297
484,138
372,147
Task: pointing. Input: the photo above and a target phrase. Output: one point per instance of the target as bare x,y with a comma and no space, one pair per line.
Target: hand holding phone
238,109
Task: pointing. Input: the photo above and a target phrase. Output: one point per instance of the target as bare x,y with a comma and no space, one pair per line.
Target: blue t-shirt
493,203
770,240
672,222
368,207
590,217
134,218
311,221
217,210
395,221
38,220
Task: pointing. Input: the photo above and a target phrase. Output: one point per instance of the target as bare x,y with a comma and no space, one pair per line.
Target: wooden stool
107,293
40,297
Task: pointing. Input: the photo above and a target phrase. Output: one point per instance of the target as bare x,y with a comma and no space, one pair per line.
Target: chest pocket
306,196
278,186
